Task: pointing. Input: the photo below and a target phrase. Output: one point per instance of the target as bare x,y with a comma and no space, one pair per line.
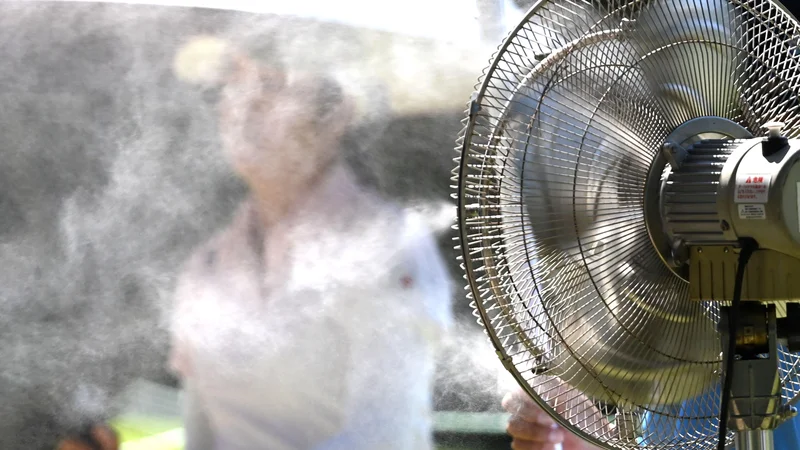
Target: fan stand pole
754,440
755,408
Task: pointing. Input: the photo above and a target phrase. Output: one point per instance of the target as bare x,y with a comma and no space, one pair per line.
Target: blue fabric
787,436
661,428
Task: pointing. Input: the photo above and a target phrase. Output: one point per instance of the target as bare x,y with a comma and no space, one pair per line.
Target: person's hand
104,439
531,428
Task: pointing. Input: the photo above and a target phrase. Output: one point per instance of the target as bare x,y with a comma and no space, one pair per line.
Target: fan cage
552,163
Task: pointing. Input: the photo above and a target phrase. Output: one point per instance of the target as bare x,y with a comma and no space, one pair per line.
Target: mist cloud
111,175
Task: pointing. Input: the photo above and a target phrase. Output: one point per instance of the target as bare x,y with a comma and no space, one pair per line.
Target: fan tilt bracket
755,402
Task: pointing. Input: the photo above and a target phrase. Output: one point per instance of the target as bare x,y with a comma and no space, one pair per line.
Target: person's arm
197,428
430,285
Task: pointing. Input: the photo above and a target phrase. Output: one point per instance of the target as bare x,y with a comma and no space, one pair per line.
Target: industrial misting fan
629,217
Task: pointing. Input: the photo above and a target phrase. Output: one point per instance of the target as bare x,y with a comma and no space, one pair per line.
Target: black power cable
748,247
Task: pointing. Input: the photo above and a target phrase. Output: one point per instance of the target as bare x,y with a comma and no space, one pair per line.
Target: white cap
202,60
774,128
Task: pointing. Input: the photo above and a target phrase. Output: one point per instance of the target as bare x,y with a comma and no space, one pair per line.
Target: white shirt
317,333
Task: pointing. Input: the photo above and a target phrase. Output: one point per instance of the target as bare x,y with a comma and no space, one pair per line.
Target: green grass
470,423
149,432
454,430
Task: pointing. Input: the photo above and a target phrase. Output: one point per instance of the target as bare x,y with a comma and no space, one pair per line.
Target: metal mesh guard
554,158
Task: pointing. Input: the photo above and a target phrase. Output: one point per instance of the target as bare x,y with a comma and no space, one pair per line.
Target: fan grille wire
553,160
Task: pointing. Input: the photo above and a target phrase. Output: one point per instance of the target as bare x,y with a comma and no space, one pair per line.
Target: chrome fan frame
504,310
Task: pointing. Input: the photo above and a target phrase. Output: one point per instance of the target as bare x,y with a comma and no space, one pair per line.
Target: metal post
755,408
754,440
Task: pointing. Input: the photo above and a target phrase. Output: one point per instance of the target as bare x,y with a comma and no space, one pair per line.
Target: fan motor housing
689,210
717,191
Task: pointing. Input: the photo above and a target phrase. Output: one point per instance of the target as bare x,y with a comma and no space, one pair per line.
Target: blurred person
311,321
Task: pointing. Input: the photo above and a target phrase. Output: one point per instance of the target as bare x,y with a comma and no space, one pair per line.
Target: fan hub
670,219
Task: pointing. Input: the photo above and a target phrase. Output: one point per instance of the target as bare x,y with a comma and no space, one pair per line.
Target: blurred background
110,175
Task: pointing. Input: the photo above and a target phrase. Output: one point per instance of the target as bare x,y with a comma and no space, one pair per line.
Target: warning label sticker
752,187
752,211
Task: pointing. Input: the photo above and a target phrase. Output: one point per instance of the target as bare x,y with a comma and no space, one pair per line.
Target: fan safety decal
752,187
756,211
